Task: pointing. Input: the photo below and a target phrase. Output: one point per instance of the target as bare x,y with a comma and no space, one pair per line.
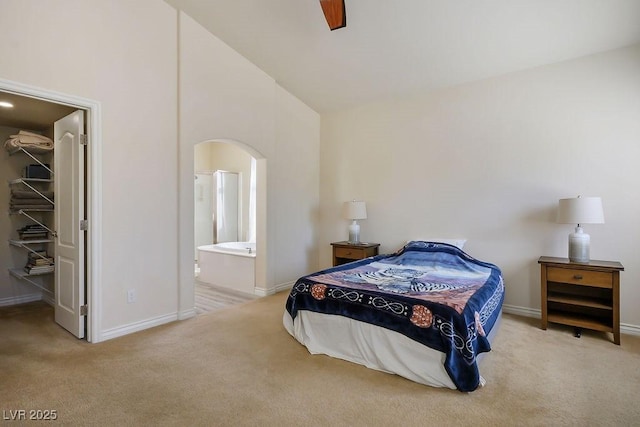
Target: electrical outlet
131,296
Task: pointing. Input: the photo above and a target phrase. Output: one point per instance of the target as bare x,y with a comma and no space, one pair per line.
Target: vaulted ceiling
392,48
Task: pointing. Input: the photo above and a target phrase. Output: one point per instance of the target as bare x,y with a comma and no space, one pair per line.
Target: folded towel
32,141
31,138
35,201
15,208
28,194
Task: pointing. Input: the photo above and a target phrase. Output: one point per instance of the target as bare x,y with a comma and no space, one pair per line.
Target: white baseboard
522,311
625,328
136,326
263,292
22,299
187,314
48,299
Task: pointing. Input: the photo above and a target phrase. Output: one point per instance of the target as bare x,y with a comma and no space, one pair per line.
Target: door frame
93,183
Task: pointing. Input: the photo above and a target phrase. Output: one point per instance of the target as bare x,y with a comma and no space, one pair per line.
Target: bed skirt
372,346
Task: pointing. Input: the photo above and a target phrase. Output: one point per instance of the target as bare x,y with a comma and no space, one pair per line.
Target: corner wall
225,97
122,54
143,54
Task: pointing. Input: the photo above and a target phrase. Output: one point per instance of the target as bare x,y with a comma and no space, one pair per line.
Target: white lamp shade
354,210
580,210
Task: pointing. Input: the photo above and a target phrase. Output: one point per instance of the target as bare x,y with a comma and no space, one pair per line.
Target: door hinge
84,225
84,309
83,139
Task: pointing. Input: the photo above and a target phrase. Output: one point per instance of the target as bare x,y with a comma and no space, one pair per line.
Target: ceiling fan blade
334,13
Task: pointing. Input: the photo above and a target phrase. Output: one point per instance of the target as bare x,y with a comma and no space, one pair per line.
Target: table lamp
580,210
354,210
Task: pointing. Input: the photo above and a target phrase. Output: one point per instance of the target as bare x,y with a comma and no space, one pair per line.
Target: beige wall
295,177
124,55
202,157
489,160
225,97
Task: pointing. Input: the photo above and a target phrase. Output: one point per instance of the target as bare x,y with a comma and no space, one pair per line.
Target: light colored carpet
239,367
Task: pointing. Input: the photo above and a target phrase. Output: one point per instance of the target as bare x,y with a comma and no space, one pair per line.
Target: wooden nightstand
344,252
581,295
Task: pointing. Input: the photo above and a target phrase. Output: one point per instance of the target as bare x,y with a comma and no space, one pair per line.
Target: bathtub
230,265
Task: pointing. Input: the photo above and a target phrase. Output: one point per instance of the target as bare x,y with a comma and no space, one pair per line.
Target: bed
426,312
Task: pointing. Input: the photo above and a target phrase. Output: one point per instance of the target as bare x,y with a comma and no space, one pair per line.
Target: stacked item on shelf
33,232
38,171
30,141
26,199
39,263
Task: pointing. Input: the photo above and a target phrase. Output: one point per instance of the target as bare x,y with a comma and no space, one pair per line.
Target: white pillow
459,243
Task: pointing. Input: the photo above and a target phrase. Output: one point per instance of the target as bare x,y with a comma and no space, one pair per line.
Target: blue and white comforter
433,293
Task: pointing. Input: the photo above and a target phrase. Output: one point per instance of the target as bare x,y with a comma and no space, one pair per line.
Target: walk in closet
38,165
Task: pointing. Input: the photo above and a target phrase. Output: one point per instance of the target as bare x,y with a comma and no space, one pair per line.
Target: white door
68,171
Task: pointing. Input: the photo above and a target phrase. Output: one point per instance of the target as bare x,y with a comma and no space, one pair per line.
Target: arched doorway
187,248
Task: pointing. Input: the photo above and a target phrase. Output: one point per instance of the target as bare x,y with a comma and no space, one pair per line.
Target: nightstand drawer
344,252
351,253
580,277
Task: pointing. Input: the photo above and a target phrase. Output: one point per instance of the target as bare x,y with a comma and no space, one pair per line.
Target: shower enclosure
217,212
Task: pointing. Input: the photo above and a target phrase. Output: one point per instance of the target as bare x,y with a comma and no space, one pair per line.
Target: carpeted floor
239,367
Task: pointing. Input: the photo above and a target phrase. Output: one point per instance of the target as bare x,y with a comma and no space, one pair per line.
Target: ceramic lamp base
354,232
579,243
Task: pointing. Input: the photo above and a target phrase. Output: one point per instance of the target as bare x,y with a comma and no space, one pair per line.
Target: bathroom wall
212,156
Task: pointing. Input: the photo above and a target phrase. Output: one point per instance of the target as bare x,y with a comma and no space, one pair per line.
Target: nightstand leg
616,307
543,296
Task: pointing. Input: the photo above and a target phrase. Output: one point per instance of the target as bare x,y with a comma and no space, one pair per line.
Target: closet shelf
26,180
22,243
23,275
26,245
30,152
31,184
24,211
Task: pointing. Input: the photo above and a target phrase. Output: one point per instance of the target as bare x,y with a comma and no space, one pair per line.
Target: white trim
522,311
264,292
94,191
22,299
120,331
625,328
48,298
187,314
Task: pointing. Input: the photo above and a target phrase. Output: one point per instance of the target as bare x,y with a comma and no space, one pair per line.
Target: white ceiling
393,48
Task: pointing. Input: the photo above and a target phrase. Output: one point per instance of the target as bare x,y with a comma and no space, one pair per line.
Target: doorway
224,223
44,108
